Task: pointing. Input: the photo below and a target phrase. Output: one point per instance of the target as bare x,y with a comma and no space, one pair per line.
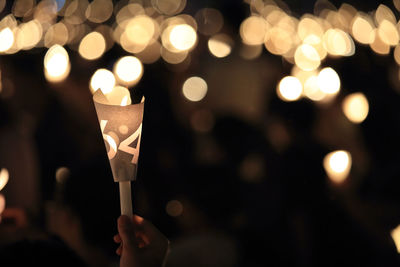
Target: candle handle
125,198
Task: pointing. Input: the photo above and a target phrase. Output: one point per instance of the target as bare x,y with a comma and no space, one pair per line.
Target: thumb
127,232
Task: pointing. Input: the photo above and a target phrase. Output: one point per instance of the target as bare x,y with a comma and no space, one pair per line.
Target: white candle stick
125,198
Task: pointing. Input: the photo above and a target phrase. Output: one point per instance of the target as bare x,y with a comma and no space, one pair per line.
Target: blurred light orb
168,7
128,70
99,11
290,89
338,43
312,90
102,79
209,21
6,39
119,95
337,165
174,208
388,33
253,30
329,81
140,31
355,106
183,37
194,88
306,57
29,35
62,174
220,45
92,46
4,176
362,29
395,234
56,64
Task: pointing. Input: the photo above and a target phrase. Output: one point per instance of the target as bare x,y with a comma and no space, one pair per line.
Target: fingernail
123,221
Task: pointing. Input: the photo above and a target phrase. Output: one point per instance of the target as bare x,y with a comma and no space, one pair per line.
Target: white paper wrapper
121,127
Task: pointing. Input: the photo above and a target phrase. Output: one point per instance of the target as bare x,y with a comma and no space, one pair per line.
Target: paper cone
121,127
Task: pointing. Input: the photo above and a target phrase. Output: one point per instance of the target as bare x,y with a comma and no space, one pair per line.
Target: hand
141,243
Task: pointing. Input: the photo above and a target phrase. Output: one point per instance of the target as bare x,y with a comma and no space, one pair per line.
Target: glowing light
183,37
253,30
355,107
307,58
308,26
4,176
102,79
209,20
383,13
338,43
363,29
128,70
388,33
194,89
396,54
56,64
29,35
120,96
139,32
99,11
22,7
395,233
328,81
174,208
278,41
220,45
378,45
289,89
56,34
6,39
62,174
168,7
173,57
337,165
92,46
312,90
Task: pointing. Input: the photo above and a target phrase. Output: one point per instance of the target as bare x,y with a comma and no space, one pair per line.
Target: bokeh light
209,21
220,45
355,106
174,208
128,70
329,81
307,58
92,46
56,64
395,234
194,89
102,79
6,39
182,37
289,89
337,165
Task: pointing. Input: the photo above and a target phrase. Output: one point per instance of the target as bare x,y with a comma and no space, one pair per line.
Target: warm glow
378,45
4,175
355,107
220,45
56,64
182,37
289,89
119,96
56,34
174,208
388,33
278,41
329,81
307,27
312,90
395,233
383,13
396,54
92,46
168,7
337,165
139,31
99,11
307,58
6,39
253,30
29,35
362,29
128,70
102,79
194,89
173,57
338,43
209,21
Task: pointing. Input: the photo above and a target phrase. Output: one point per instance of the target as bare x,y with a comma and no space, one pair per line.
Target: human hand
141,243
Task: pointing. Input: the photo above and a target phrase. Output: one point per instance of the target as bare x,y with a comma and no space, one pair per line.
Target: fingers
117,238
127,232
147,230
